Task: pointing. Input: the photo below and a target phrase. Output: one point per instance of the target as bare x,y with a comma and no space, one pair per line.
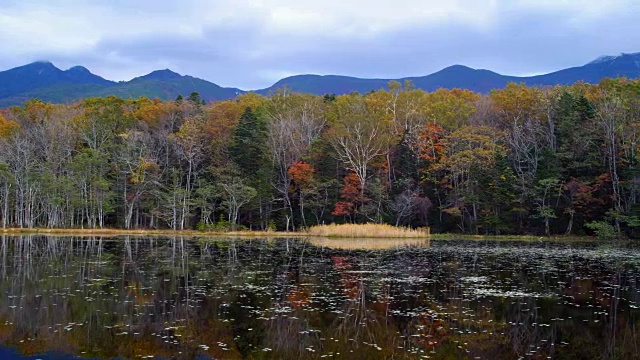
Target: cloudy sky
252,43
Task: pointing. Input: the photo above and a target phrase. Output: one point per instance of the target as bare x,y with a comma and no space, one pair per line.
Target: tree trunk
547,231
570,225
5,208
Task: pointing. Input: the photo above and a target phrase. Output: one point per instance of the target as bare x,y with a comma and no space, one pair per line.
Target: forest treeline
557,160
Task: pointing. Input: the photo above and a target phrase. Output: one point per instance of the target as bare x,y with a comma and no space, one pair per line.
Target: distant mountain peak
40,66
458,67
609,58
602,59
43,80
41,62
78,69
164,74
80,74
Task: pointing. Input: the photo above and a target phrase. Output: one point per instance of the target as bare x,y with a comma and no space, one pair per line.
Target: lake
220,298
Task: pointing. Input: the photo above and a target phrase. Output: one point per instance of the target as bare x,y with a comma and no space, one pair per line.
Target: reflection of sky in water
284,298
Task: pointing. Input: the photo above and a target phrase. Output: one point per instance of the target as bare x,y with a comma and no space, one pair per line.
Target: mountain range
42,80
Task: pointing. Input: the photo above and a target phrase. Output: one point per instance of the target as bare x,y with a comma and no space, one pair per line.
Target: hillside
42,80
459,76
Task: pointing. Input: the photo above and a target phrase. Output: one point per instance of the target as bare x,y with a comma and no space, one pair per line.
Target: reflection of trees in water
598,321
288,331
140,296
362,325
512,326
86,295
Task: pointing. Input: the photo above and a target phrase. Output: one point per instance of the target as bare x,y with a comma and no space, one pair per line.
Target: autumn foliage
351,195
431,146
520,160
7,127
301,174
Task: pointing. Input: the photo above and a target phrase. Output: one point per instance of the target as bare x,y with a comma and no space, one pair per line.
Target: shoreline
529,238
281,234
146,232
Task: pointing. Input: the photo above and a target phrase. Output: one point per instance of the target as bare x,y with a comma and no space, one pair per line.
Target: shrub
603,229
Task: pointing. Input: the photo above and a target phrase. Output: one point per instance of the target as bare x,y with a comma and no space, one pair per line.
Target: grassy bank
144,232
333,231
368,231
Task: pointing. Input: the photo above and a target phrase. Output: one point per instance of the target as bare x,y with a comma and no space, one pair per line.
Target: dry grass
343,231
142,232
367,231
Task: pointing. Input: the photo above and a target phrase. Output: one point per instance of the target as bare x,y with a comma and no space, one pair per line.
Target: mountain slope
167,85
44,81
40,74
624,65
326,84
459,76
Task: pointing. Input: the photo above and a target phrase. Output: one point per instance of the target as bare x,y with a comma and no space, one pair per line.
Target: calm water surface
131,298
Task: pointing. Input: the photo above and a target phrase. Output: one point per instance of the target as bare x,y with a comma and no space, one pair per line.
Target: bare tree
359,136
295,122
235,194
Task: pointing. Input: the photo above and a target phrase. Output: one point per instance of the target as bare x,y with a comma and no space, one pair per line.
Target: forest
520,160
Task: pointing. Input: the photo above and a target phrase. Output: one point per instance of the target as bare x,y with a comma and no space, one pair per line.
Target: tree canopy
521,160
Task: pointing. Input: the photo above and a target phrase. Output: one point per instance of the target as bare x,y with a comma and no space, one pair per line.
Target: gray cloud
250,44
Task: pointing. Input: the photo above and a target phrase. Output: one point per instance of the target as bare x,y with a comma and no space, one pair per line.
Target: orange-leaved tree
301,175
351,195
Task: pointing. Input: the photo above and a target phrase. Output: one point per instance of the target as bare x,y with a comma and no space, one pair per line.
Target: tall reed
367,231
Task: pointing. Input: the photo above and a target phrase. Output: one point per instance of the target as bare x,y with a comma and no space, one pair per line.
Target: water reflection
368,243
136,297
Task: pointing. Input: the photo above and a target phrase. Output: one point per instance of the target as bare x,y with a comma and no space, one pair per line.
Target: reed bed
367,231
334,231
